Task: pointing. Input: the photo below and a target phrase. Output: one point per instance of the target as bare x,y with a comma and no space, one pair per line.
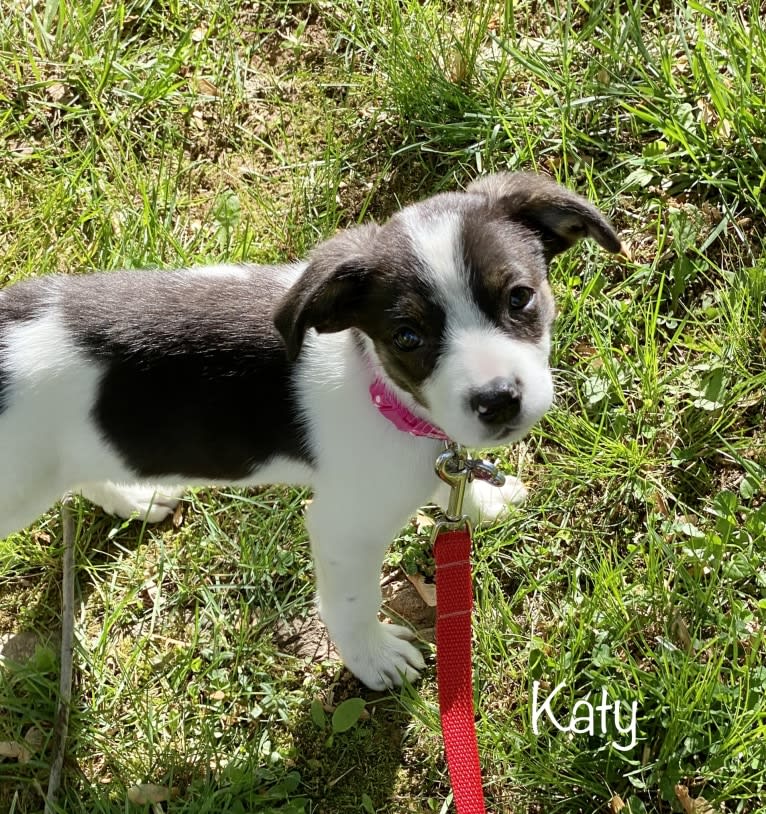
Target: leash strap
454,601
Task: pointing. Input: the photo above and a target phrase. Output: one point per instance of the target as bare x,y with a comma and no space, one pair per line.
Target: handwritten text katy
587,717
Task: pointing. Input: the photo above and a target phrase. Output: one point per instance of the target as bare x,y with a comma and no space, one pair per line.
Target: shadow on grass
221,713
354,770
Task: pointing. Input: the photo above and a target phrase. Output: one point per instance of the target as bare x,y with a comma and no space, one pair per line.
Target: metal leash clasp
457,470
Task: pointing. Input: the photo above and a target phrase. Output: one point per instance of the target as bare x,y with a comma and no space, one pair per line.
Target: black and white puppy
123,385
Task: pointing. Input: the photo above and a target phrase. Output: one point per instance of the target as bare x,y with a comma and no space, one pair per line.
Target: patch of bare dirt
403,602
19,647
305,637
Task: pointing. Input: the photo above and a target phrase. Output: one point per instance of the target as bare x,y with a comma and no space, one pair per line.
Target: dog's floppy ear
332,290
559,217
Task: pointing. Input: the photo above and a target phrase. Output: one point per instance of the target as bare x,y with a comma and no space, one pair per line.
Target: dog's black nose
498,402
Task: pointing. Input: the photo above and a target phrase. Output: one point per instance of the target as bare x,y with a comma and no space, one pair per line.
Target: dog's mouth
507,433
488,437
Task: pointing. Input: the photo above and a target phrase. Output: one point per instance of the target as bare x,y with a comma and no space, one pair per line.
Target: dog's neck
391,408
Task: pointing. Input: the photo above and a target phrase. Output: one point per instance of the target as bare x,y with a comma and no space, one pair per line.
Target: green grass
171,132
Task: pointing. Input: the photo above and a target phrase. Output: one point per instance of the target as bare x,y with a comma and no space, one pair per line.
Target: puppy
341,373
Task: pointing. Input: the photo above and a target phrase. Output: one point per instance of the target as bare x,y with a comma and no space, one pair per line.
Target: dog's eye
406,339
520,297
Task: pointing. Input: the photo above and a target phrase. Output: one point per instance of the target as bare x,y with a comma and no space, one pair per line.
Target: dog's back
177,370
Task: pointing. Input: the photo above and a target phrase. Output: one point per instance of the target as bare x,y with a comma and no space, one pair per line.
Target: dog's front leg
349,537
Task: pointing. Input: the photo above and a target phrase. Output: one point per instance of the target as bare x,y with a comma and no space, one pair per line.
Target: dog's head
452,295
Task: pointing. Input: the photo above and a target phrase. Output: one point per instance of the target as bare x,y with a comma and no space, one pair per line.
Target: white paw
486,503
147,503
384,657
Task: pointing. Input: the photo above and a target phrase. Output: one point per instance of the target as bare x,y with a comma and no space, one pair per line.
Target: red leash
454,601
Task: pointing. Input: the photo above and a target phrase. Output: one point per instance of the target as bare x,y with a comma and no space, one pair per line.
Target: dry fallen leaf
149,593
616,804
724,128
207,88
682,793
660,504
305,637
681,634
424,522
150,793
403,603
692,805
33,740
14,750
426,590
457,70
682,64
56,91
707,112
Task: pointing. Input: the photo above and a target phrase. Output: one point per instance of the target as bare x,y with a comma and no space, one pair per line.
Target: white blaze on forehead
437,241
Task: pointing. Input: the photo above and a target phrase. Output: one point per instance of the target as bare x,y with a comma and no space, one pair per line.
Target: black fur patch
413,307
196,379
500,255
370,279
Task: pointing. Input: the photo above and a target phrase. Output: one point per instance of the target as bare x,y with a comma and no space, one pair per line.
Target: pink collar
401,416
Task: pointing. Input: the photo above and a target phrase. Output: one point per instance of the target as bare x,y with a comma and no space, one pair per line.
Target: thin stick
61,726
